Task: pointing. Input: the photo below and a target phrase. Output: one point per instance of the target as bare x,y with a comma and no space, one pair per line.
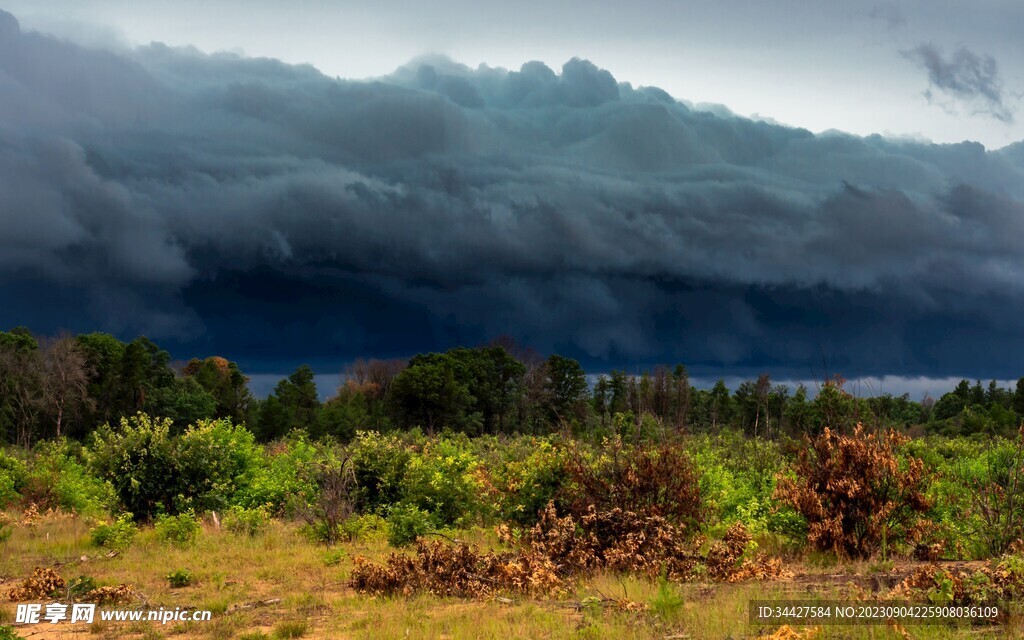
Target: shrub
13,474
180,578
287,469
443,481
333,557
667,601
529,475
180,529
856,490
331,504
59,477
997,498
647,480
117,535
80,586
5,528
737,480
7,633
366,527
216,459
406,523
244,521
139,461
379,463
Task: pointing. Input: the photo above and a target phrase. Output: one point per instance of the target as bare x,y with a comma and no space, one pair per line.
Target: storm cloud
276,215
965,77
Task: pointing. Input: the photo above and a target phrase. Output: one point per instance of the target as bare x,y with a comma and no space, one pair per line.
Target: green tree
21,385
225,382
721,406
103,355
433,392
565,387
184,401
293,405
144,369
1018,398
798,412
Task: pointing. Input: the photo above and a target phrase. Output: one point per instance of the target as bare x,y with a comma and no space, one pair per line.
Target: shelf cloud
274,214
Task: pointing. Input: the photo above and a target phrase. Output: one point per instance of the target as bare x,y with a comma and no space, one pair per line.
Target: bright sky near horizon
946,71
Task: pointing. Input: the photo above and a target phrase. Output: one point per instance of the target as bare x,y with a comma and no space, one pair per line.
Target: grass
278,584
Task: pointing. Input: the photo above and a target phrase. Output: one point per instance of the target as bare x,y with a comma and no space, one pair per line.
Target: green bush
139,460
13,475
737,480
116,535
443,481
7,633
286,470
210,466
180,578
406,523
529,474
58,476
366,527
333,557
80,586
8,494
961,465
216,460
181,529
380,463
250,522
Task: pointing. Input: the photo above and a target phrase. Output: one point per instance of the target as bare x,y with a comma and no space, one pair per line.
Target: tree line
69,385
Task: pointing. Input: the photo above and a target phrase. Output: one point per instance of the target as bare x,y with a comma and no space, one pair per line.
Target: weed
180,578
333,557
667,602
116,535
181,530
291,629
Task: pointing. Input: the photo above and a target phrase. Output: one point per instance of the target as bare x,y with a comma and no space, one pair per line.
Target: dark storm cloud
966,77
273,214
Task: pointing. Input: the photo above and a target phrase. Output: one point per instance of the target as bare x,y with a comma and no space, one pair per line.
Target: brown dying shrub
647,480
855,490
456,570
615,539
548,557
43,583
725,559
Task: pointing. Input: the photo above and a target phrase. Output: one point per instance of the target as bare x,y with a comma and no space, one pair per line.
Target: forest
70,385
499,477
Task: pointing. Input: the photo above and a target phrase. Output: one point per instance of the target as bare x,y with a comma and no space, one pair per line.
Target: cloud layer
275,215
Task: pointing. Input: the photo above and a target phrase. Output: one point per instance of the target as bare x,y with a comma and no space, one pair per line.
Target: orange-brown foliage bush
647,480
855,490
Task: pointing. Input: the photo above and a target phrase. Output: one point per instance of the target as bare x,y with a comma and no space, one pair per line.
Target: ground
279,584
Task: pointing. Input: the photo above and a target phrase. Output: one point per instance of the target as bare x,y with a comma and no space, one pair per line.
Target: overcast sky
806,63
554,172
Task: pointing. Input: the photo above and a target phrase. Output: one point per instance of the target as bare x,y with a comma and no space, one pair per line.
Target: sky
802,188
853,66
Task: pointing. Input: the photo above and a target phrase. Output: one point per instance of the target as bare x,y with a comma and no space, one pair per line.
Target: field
279,584
647,535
